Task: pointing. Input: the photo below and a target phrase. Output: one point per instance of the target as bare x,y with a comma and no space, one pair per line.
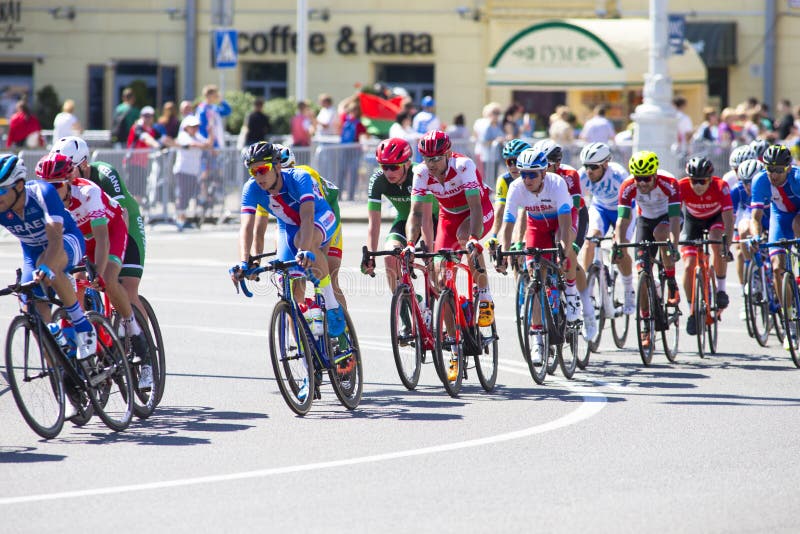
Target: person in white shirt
685,126
598,129
327,118
187,166
66,124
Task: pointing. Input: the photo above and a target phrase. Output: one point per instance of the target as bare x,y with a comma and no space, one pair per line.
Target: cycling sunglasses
433,159
531,175
392,166
777,169
58,184
699,181
592,166
511,162
261,169
643,179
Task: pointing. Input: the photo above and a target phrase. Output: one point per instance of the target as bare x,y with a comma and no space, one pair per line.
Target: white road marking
593,402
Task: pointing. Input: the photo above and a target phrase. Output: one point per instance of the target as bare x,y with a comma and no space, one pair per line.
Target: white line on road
593,402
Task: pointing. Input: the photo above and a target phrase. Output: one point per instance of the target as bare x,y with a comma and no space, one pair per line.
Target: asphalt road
696,446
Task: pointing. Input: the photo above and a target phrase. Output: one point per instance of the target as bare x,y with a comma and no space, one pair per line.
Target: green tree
241,103
280,112
47,106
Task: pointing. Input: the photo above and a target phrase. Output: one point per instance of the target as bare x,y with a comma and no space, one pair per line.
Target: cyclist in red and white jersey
103,224
465,209
658,205
707,205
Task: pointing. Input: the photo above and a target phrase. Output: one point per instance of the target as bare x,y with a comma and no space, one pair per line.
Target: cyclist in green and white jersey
393,180
109,180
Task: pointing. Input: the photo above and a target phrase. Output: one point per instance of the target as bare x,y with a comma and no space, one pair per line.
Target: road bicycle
654,312
42,376
790,296
411,314
145,399
704,306
762,307
457,335
545,298
298,357
607,297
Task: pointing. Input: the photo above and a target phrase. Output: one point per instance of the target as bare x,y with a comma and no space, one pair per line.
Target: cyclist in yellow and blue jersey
511,150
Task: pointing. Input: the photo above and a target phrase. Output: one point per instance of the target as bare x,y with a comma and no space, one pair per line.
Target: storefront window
96,101
267,80
16,81
143,74
415,78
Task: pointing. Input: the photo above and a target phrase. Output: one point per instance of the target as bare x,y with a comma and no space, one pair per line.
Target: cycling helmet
434,143
740,154
514,148
393,151
759,146
12,170
552,150
74,147
260,151
643,163
777,155
286,154
748,169
532,160
699,167
54,166
594,153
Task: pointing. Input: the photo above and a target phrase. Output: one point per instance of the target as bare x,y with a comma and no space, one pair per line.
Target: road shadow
722,399
26,455
656,376
398,403
168,426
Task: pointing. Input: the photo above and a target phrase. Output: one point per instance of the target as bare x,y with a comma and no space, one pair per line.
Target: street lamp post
302,50
656,120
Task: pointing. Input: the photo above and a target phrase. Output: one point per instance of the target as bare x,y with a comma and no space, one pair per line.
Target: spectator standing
561,130
24,130
598,129
327,118
685,126
493,139
168,123
353,131
426,120
765,120
728,129
302,125
786,122
708,130
257,124
401,127
188,165
186,108
211,113
512,121
479,128
142,135
125,115
457,130
66,123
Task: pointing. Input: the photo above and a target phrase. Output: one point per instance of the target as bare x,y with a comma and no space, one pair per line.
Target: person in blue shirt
306,223
51,242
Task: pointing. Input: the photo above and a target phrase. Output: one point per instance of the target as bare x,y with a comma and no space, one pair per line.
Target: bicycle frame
704,269
607,306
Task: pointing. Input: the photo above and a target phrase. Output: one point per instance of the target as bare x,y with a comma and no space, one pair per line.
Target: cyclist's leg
334,254
395,239
715,232
133,265
780,227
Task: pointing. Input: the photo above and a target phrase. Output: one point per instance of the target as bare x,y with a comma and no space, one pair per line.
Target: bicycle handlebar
529,251
598,240
273,265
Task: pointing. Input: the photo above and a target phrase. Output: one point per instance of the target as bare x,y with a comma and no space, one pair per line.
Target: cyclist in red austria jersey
465,213
707,205
658,203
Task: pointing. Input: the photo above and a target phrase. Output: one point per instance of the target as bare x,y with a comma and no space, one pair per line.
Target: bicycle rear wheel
699,312
536,364
406,337
711,329
558,322
346,372
619,324
596,297
671,332
449,348
757,302
791,319
109,372
160,353
519,307
486,361
574,348
145,399
746,299
645,320
290,353
75,393
35,378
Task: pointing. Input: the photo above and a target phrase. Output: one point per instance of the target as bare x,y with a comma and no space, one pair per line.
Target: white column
302,50
656,121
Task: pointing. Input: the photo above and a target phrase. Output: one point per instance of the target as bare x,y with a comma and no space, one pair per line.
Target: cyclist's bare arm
621,231
755,222
246,227
475,215
260,232
427,222
675,228
414,223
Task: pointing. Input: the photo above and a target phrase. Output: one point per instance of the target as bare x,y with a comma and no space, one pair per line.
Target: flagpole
302,50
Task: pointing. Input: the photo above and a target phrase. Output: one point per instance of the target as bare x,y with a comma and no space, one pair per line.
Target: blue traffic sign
677,33
226,49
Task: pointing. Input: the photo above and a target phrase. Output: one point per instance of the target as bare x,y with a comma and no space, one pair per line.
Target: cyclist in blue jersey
306,223
777,186
740,197
51,242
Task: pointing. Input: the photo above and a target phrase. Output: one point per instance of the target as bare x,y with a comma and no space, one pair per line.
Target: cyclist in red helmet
393,179
466,209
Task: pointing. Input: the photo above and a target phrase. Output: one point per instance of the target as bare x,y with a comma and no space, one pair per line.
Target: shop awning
591,53
714,41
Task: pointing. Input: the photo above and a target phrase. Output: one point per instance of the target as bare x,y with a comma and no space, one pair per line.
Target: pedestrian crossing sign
226,49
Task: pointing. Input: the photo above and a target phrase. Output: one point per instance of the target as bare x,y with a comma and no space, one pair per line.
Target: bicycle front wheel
558,322
699,312
574,349
537,360
160,353
596,298
757,302
111,388
406,337
35,379
449,345
645,316
672,328
621,322
713,313
290,353
519,307
346,372
791,320
144,399
486,360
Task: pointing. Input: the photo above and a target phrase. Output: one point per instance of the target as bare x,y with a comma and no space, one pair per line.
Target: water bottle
69,334
315,314
466,307
426,315
58,334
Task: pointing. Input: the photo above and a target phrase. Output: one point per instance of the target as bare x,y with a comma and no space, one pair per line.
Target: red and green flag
378,114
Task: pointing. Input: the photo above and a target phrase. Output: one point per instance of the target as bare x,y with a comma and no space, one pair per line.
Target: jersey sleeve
574,186
375,192
760,192
303,186
502,189
419,187
514,201
562,197
674,197
94,205
725,192
250,197
627,192
54,206
469,176
736,198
